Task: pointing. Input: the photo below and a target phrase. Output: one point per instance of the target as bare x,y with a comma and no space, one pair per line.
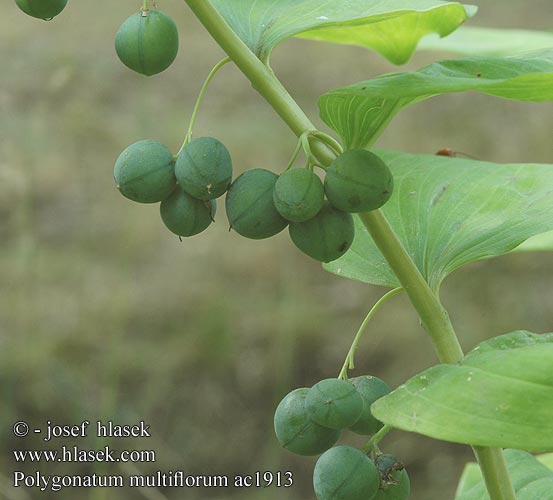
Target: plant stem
261,77
349,362
432,314
372,443
295,155
493,466
434,317
199,100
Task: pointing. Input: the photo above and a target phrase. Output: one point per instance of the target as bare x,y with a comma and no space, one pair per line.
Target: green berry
296,432
42,9
186,216
345,473
371,389
358,181
325,237
298,194
250,208
147,42
394,480
145,172
204,168
334,403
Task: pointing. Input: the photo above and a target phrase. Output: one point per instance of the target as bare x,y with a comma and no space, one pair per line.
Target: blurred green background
104,314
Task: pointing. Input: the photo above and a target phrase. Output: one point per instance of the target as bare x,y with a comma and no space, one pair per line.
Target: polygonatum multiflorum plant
389,218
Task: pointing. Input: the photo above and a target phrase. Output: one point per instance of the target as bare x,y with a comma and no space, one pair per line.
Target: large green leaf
541,242
451,211
359,112
531,479
478,41
547,460
392,27
500,394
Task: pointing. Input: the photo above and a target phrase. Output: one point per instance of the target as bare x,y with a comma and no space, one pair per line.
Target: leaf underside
451,211
360,112
541,242
392,27
531,479
499,395
480,41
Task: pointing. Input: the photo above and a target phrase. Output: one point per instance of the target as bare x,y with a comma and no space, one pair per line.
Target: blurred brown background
104,314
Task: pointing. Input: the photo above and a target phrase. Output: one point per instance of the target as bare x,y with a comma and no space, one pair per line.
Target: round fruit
147,42
296,432
145,172
185,215
326,236
42,9
250,208
371,389
394,481
204,168
345,473
298,195
358,181
334,403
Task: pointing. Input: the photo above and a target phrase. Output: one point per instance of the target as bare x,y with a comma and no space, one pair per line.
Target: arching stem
199,100
349,362
372,444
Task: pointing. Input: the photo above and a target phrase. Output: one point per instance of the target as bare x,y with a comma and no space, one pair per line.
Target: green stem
144,6
494,469
329,141
434,317
199,100
432,314
261,77
349,362
372,444
304,139
295,154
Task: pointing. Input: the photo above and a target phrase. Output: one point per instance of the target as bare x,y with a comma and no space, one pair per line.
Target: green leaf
360,112
393,27
531,480
541,242
547,460
395,38
500,395
478,41
451,211
470,477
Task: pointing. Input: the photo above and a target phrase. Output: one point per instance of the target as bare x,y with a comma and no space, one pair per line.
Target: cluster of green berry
259,203
309,422
356,181
42,9
186,186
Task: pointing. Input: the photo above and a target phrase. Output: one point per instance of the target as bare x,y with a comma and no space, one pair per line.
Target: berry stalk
199,100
